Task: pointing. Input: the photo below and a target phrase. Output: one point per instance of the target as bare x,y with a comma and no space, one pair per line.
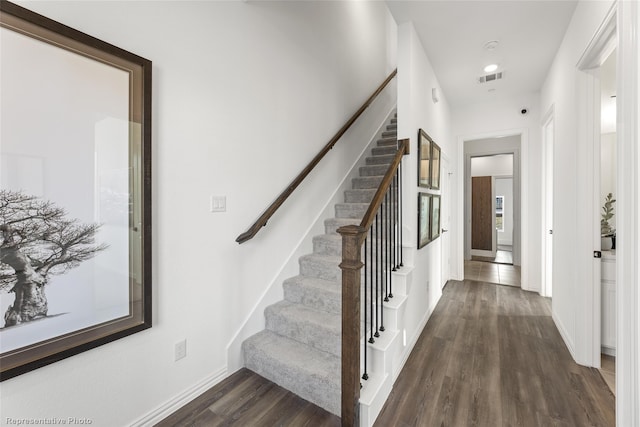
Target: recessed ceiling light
491,45
490,68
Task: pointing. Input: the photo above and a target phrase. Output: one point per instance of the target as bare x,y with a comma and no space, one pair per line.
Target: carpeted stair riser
311,374
316,328
384,150
312,292
359,196
380,160
321,267
374,170
389,134
387,142
365,182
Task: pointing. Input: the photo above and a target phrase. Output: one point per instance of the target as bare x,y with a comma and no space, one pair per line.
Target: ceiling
453,34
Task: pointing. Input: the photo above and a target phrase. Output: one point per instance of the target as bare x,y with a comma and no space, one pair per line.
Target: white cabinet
608,300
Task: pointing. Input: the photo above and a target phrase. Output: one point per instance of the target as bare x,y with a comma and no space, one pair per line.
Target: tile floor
502,274
504,255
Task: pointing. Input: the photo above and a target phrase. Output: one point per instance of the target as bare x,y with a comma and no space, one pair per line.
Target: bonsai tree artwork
37,240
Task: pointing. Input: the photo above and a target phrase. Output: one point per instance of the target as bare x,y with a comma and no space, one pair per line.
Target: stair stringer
255,320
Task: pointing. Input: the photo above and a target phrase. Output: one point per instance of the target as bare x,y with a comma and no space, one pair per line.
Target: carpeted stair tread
313,292
387,142
311,374
316,328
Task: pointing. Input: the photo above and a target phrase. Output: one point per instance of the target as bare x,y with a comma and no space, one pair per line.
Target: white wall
497,121
244,93
416,110
504,187
572,170
498,165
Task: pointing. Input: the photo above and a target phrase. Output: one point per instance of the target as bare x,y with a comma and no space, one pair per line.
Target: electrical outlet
181,350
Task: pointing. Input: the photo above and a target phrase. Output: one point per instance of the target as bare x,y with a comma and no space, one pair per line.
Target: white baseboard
609,351
172,405
414,340
564,335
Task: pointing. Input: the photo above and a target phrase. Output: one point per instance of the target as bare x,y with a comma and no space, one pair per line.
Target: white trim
177,402
563,333
522,176
628,249
409,348
549,117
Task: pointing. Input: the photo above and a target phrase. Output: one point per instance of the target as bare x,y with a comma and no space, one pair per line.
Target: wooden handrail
268,213
370,215
353,236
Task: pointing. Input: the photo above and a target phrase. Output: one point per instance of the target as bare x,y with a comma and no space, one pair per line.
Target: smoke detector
491,77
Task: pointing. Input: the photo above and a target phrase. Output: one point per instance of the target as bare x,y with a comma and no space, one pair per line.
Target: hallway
491,356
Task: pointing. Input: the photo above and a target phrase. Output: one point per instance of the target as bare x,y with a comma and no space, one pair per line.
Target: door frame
521,181
546,289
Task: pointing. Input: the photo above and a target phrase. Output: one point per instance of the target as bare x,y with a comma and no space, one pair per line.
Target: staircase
301,345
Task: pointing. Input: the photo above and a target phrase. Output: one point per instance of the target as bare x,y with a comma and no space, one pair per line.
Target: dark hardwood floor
247,399
489,356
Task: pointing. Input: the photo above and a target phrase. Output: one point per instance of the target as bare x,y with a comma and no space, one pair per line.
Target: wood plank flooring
247,399
491,356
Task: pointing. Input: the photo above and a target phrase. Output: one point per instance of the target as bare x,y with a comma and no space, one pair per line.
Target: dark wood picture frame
424,215
434,168
434,217
424,159
134,100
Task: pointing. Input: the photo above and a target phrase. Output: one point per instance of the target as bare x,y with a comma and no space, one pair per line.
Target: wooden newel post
352,238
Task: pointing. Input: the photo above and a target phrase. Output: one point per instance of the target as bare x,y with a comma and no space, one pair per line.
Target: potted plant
606,230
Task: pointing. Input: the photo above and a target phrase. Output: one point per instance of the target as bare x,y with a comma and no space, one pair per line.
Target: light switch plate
218,203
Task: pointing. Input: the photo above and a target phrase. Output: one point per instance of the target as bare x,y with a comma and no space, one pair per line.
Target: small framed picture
424,159
434,219
424,212
435,166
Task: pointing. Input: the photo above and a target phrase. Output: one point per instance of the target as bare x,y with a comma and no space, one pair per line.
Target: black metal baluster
387,262
394,210
371,305
401,209
365,376
392,243
383,276
377,334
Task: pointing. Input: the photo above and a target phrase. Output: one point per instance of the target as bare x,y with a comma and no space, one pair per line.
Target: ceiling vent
491,77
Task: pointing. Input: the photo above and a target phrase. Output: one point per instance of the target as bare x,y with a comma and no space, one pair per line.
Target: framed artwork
75,192
424,212
434,219
424,159
435,166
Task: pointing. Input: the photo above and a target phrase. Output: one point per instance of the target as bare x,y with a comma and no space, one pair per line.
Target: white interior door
445,220
548,206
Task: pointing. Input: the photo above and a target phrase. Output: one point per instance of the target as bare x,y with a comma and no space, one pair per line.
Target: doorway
493,206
